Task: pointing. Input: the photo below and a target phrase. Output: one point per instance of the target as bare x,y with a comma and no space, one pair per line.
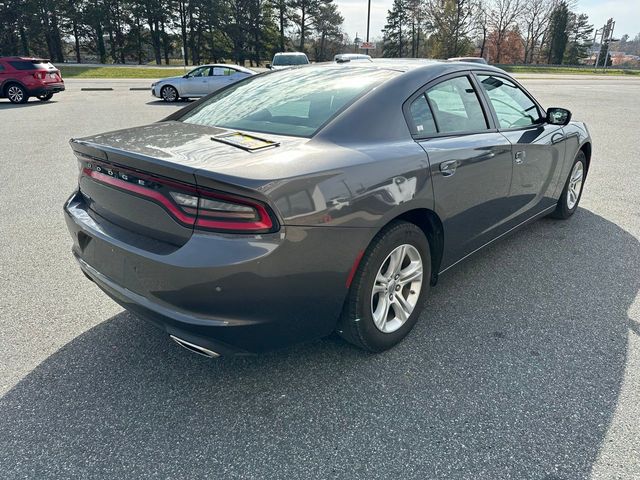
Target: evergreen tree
394,32
579,44
558,33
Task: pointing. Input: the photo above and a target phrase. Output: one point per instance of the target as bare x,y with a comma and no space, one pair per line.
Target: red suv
22,77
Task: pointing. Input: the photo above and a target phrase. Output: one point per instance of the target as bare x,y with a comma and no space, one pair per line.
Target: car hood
170,79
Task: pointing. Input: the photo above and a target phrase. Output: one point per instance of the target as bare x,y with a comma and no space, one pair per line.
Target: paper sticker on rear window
244,141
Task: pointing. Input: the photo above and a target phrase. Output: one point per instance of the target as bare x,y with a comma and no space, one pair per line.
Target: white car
199,82
352,57
287,60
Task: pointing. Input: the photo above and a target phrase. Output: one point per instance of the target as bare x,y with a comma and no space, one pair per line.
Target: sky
626,13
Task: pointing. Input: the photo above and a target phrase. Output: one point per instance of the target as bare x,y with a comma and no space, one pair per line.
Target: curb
97,89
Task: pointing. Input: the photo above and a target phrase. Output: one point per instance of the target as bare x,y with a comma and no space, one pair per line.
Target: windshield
280,60
287,102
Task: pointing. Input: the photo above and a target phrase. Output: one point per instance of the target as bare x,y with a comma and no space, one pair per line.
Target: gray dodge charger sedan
324,198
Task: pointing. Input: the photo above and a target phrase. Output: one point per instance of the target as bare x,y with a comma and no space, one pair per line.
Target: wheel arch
429,222
172,85
586,149
7,83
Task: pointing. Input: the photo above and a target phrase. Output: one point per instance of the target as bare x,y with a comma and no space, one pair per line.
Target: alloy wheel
169,94
575,185
396,288
15,94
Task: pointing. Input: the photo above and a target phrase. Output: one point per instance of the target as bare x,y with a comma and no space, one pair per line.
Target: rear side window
1,67
220,71
456,106
513,107
423,123
30,65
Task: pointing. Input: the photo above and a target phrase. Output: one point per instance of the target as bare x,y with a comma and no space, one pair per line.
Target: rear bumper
48,88
227,293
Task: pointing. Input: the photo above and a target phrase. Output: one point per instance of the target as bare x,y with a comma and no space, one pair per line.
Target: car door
220,77
470,163
538,148
195,83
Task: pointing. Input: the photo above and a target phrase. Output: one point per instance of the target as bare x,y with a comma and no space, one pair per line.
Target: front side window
513,107
456,107
288,102
199,72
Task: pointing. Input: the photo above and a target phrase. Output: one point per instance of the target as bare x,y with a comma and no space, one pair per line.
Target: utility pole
368,21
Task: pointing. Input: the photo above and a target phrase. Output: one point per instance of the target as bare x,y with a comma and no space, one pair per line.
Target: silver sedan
199,82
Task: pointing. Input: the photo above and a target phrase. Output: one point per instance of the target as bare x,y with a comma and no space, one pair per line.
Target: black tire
16,93
45,97
169,94
356,324
563,209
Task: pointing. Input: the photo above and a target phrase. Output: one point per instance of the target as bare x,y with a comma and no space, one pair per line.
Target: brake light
192,206
40,75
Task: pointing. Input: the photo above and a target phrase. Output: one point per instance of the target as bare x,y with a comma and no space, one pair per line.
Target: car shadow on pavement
162,103
6,104
514,371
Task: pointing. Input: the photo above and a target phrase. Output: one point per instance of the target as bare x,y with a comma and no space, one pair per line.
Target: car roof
28,59
290,53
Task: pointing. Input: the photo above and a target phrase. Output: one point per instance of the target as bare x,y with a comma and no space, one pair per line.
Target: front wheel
570,197
386,296
169,94
45,97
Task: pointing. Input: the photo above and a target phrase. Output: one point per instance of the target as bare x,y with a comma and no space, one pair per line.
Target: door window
456,107
513,107
423,123
222,71
199,72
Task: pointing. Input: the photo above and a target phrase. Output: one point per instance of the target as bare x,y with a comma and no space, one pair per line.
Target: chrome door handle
448,168
519,157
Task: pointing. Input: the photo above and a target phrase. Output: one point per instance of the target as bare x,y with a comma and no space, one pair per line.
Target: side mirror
558,116
268,65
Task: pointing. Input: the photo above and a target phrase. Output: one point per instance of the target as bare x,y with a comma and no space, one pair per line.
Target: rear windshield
280,60
287,102
31,65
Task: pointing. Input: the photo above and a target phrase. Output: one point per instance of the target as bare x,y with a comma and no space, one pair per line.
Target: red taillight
189,205
40,75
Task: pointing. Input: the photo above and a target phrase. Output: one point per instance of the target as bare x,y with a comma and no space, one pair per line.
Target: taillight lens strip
176,202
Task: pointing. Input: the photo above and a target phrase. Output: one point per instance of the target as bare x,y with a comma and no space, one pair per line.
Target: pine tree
558,33
579,44
394,33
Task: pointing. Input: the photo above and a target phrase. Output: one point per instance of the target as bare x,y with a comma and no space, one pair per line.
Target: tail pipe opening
205,352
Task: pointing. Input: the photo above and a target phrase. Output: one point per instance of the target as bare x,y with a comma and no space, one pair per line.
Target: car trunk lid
136,178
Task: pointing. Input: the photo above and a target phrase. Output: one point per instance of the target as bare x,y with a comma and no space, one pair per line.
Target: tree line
501,31
142,31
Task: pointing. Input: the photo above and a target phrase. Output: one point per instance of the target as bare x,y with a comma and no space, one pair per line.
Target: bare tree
534,22
502,18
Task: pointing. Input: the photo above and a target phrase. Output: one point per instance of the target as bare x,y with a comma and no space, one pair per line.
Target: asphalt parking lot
525,365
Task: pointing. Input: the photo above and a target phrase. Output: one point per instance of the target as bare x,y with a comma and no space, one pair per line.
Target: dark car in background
24,77
317,199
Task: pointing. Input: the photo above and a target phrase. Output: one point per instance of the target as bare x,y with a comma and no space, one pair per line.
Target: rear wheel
45,97
570,197
169,93
388,290
16,94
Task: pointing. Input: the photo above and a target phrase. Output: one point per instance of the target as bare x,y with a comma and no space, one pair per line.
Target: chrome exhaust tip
192,347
